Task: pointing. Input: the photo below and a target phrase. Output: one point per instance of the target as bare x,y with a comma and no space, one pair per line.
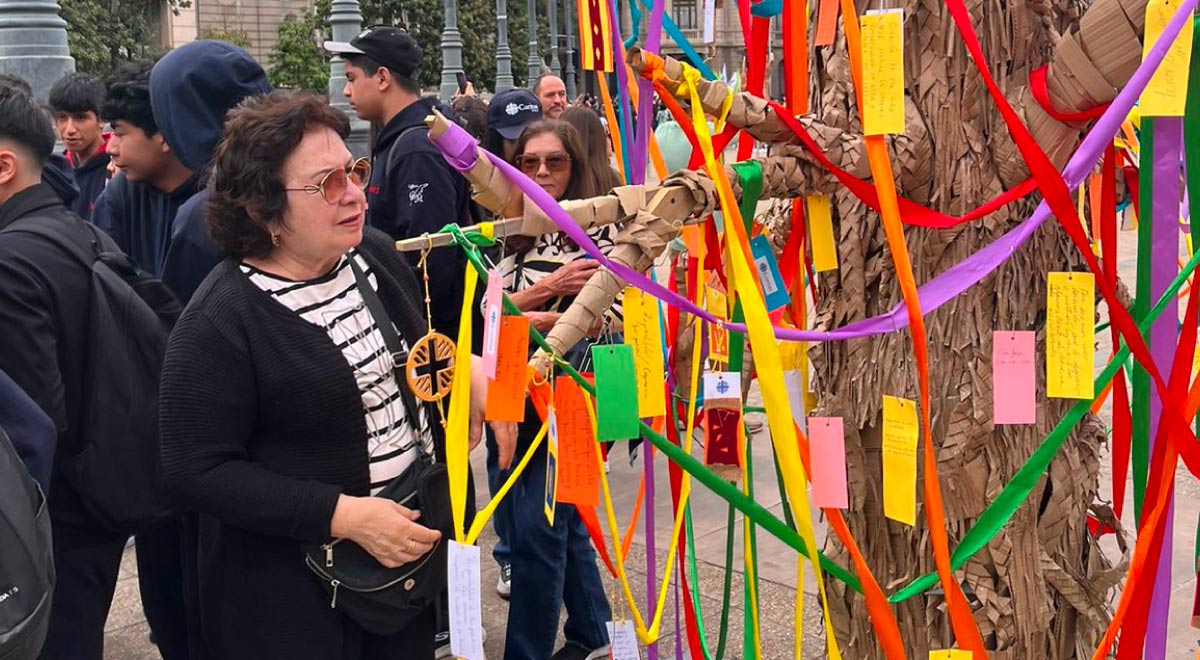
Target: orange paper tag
506,393
578,475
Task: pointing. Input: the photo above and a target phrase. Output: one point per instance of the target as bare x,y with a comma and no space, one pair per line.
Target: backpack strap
389,162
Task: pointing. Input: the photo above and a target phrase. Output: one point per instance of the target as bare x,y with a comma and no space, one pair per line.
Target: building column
346,22
452,46
504,77
33,44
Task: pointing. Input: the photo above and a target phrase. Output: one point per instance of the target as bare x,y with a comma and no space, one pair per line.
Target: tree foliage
105,33
298,59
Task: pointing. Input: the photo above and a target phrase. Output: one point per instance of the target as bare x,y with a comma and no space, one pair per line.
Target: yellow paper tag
883,72
1166,94
900,459
643,331
950,654
1070,335
716,303
820,231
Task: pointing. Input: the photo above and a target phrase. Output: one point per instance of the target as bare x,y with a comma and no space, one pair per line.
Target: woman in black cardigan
281,413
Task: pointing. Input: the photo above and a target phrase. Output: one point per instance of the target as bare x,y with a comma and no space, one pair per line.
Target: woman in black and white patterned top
281,410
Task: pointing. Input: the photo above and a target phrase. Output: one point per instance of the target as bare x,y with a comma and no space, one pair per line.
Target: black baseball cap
511,110
390,46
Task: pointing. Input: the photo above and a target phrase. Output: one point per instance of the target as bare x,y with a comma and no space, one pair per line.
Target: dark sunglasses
333,185
529,164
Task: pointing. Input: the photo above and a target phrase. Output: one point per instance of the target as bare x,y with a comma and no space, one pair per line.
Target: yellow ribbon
766,353
458,422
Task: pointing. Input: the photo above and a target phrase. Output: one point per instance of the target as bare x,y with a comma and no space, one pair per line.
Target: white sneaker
504,581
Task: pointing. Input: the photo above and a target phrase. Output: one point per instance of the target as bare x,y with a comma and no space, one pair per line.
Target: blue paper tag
774,290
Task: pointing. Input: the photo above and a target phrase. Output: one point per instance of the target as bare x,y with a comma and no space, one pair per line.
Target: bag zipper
328,547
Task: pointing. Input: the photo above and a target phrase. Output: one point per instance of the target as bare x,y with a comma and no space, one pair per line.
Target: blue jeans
502,517
551,567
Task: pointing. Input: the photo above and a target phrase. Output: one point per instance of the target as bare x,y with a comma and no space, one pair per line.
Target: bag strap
391,340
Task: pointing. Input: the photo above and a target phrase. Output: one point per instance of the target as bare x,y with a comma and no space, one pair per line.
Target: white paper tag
466,616
793,381
723,385
493,301
623,640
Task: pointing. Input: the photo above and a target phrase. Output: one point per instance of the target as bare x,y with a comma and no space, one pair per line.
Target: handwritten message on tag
493,300
622,637
951,654
900,459
827,445
1070,335
883,72
616,392
1166,93
506,392
1013,378
820,232
466,619
578,474
643,331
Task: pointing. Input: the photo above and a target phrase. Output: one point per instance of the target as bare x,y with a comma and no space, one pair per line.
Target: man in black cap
413,190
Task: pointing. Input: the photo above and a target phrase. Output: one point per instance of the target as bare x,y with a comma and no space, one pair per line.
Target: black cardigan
262,428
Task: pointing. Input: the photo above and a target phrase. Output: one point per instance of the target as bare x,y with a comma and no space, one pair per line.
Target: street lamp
569,66
534,60
345,22
452,46
504,78
33,43
553,16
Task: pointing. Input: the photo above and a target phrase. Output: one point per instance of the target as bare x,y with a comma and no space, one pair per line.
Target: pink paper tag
1013,379
492,301
827,445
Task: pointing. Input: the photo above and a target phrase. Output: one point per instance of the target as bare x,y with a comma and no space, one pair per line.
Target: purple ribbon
934,293
1164,336
645,114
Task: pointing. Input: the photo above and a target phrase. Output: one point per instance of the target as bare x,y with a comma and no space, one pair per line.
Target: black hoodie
191,90
138,217
90,176
414,190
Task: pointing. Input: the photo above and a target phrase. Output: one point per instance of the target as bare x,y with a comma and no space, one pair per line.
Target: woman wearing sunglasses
552,566
283,419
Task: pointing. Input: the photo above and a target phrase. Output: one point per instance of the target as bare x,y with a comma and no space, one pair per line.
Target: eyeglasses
529,164
333,185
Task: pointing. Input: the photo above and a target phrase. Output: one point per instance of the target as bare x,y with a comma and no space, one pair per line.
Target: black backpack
26,559
130,316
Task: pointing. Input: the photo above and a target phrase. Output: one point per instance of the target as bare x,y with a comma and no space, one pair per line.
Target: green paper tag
616,393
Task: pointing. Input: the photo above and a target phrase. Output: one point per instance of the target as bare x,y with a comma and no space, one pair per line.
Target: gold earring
274,239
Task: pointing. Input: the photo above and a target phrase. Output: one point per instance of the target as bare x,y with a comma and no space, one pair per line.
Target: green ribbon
1140,444
1001,510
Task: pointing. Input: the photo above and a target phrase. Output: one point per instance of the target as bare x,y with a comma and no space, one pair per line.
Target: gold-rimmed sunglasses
333,185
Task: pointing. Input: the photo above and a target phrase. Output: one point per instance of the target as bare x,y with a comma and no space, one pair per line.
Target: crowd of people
283,432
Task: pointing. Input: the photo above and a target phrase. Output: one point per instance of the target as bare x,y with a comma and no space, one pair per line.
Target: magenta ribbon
645,114
934,293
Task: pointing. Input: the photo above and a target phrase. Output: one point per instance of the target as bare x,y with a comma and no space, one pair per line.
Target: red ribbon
1037,85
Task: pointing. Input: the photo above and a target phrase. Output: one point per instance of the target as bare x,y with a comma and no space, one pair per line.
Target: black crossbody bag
379,599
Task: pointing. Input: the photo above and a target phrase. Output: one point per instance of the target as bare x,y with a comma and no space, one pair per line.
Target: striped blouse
334,303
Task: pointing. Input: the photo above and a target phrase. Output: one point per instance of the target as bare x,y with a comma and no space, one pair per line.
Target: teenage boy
75,105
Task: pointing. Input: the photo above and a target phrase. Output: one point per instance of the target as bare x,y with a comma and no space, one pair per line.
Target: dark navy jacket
31,431
57,173
139,217
414,190
191,90
91,177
